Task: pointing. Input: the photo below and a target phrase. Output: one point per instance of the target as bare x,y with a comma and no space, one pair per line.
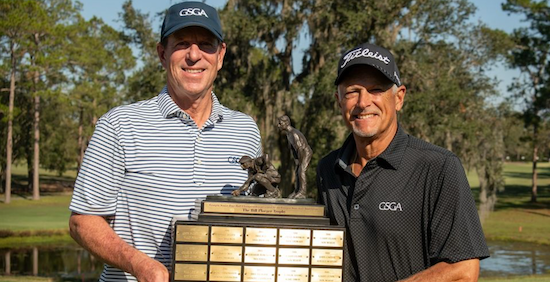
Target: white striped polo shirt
148,161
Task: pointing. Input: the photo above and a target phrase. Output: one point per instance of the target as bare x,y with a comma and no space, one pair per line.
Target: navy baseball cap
191,13
372,55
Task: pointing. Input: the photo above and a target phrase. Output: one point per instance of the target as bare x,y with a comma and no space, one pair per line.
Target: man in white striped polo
151,160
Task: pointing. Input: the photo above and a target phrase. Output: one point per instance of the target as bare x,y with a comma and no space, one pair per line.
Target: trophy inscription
225,273
227,234
326,275
261,236
293,256
262,209
259,274
292,274
292,253
325,238
326,257
226,254
189,252
190,272
295,237
264,255
192,233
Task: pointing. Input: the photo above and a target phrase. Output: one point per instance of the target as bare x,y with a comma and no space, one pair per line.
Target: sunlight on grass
50,212
515,217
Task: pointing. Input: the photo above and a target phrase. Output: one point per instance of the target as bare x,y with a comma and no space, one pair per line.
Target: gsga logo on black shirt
390,206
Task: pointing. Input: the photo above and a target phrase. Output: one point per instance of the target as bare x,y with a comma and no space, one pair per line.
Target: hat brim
358,63
188,24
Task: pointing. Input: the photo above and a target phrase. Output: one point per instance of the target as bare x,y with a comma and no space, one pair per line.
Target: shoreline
26,239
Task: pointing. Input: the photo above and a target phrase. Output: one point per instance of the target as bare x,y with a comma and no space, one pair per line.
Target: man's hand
150,270
94,234
466,270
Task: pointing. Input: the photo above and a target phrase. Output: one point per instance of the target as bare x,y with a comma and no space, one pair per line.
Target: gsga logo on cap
192,12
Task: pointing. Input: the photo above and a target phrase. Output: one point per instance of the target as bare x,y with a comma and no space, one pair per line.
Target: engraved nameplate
188,252
293,256
259,274
292,274
328,238
326,275
263,209
326,257
192,233
226,253
227,235
225,273
190,272
295,237
260,255
261,236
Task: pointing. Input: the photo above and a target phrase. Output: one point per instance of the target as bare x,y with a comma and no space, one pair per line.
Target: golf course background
25,222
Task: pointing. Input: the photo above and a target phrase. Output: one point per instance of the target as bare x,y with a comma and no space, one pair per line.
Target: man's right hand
94,234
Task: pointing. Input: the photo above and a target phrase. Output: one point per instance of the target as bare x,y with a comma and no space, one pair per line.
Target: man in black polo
406,203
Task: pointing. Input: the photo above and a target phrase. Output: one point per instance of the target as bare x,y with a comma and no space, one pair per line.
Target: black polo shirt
410,208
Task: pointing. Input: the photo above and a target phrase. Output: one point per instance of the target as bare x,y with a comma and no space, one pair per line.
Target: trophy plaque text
261,240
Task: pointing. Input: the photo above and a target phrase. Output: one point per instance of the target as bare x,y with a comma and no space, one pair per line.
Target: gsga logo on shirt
390,206
192,12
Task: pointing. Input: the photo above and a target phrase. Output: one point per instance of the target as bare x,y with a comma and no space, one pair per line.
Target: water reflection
71,263
64,263
515,258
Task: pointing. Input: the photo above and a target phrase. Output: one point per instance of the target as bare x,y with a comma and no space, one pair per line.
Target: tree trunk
7,263
487,194
449,140
267,122
80,139
35,261
9,142
29,156
535,159
36,130
36,151
534,179
94,117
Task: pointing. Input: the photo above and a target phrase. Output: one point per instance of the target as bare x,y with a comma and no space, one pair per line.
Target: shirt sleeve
100,174
456,232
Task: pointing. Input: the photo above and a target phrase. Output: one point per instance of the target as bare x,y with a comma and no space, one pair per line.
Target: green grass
46,221
24,279
22,214
50,181
45,240
21,169
26,222
515,217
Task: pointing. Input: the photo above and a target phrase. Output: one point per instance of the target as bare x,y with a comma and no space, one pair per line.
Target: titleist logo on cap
193,12
364,53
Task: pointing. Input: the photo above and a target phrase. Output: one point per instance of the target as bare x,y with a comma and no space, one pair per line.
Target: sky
489,12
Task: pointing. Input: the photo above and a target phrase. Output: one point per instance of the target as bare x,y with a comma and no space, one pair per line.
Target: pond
64,263
71,263
515,258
